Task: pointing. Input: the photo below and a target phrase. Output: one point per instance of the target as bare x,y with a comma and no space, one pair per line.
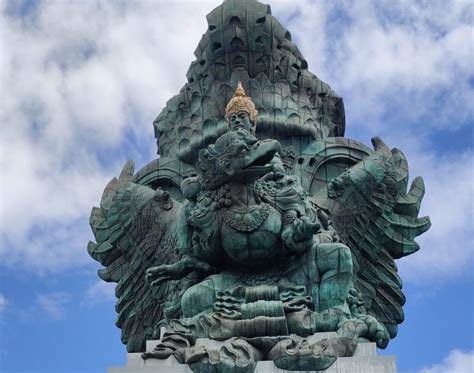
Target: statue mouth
264,151
261,162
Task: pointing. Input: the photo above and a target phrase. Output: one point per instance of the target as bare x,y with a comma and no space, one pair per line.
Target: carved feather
134,232
376,217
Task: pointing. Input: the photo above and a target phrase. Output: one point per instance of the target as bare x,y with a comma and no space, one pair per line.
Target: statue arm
297,233
189,247
327,234
183,228
277,164
187,264
278,169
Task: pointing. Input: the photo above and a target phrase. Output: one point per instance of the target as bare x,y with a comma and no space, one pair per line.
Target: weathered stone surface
259,226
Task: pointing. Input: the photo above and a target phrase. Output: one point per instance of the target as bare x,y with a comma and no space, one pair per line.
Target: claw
157,274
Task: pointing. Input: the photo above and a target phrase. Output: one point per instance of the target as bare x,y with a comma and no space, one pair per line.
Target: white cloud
446,249
99,292
3,303
54,245
404,70
81,99
50,306
53,304
390,61
456,362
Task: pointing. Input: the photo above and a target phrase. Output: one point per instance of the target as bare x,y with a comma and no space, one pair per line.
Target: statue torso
250,235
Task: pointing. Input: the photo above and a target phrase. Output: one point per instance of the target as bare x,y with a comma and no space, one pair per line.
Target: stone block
151,369
372,364
366,349
135,364
364,364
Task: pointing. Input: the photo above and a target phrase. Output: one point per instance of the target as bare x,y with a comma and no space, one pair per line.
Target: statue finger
154,270
160,280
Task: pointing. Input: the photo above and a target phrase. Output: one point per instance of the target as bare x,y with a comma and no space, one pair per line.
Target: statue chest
251,237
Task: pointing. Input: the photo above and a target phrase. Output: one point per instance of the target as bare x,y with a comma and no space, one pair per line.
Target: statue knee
333,258
197,299
345,258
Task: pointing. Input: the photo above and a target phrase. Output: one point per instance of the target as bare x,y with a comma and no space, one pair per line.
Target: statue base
365,360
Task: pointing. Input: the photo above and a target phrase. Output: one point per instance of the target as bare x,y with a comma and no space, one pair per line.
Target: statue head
240,112
237,156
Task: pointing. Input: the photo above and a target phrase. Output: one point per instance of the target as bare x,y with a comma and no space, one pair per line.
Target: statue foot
160,352
171,344
365,328
376,331
299,354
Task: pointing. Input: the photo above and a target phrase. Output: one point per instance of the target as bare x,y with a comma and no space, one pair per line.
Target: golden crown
241,102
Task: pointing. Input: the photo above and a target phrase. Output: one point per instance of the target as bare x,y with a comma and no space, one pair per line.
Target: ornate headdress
241,102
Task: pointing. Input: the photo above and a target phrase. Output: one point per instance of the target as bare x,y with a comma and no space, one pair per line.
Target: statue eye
226,165
244,149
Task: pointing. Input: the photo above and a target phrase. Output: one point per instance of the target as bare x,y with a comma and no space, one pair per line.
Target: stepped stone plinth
365,360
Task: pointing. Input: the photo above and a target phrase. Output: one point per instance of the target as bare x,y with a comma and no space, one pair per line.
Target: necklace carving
249,220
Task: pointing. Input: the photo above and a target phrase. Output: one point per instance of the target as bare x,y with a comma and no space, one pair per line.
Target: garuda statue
259,225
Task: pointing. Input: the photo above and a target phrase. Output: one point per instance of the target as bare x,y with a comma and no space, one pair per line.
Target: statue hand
159,274
304,229
376,332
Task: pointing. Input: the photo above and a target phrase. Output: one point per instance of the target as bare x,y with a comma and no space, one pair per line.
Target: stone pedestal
365,360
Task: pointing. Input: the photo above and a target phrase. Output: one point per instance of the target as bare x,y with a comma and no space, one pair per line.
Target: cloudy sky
81,82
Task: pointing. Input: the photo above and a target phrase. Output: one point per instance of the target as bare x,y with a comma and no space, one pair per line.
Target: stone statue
260,224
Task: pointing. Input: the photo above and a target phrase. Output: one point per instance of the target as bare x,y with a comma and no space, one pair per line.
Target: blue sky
81,84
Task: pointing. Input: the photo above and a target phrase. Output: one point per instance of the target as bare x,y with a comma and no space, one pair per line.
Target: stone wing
133,228
378,219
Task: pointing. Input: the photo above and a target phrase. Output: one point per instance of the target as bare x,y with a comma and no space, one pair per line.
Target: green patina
259,229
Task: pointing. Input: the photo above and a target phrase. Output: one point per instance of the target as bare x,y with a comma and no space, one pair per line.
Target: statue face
240,120
236,156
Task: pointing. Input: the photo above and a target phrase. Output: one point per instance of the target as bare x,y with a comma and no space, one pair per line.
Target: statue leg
334,262
202,296
198,298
